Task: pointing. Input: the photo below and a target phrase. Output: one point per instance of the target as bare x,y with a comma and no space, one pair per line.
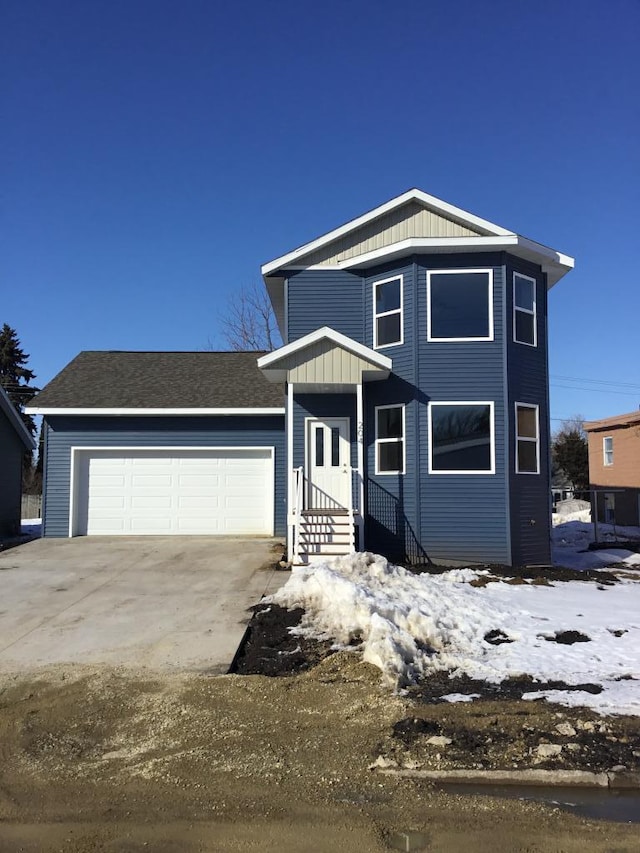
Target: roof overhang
631,419
16,421
275,368
436,204
35,410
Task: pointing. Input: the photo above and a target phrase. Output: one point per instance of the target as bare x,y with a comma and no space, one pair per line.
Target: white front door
328,468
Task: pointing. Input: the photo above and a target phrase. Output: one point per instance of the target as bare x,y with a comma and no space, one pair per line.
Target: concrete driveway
166,602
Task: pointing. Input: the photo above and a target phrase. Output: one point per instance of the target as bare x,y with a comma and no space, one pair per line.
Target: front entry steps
324,534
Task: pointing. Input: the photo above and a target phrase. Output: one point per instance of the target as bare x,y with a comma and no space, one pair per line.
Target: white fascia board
415,244
433,203
16,421
375,358
36,410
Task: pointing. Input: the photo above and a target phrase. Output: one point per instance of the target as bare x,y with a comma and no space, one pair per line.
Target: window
460,305
524,309
461,438
390,440
527,439
387,312
607,447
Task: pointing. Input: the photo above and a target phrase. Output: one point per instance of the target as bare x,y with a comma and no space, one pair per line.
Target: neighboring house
417,417
614,468
15,440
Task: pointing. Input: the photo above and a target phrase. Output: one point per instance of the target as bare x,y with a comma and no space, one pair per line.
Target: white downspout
290,516
360,440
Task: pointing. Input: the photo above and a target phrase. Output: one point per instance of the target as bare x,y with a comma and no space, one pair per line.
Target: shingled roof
160,380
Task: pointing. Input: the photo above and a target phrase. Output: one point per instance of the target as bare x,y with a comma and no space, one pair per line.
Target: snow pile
578,515
410,625
570,543
32,526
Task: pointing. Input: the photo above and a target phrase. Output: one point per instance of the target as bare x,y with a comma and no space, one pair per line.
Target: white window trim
491,405
604,451
489,272
528,438
533,313
380,441
399,310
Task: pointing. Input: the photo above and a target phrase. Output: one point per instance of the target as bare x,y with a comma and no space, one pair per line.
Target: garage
172,491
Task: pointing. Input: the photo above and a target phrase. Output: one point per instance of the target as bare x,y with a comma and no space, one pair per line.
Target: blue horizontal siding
317,298
528,383
63,433
12,451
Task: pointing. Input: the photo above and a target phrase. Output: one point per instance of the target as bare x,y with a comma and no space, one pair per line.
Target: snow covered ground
410,625
571,539
32,526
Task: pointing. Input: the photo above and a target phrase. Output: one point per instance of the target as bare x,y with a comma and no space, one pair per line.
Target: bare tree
249,322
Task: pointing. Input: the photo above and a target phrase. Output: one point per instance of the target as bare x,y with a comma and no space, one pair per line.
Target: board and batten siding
410,220
528,383
65,432
12,450
317,298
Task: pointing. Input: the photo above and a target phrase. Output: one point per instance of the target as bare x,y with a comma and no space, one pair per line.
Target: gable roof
372,364
410,223
116,382
12,415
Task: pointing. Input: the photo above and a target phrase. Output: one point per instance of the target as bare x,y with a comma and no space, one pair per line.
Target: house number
360,432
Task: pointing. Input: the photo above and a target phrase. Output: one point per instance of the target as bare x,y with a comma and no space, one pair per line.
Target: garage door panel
154,481
150,502
199,491
199,480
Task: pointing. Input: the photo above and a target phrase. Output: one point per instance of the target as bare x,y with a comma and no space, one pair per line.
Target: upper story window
607,449
524,309
527,439
387,312
390,440
461,438
460,305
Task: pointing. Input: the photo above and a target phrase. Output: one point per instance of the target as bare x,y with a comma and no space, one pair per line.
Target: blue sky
156,153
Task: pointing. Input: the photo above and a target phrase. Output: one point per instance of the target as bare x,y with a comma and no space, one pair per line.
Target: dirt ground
104,759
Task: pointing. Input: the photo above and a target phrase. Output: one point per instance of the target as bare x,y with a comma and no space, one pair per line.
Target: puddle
597,803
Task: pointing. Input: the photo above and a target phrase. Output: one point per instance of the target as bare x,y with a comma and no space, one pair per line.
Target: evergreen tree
570,453
15,376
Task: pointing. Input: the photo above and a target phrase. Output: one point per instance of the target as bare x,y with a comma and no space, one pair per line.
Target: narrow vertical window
524,309
527,439
319,437
390,440
607,447
335,447
387,312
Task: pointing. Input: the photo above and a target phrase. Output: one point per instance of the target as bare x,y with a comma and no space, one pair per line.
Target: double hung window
607,449
527,439
387,312
524,309
390,440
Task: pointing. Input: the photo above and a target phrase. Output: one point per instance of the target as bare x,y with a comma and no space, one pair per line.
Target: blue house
15,441
415,362
406,413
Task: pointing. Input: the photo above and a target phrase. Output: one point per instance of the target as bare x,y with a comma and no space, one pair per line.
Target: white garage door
173,491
